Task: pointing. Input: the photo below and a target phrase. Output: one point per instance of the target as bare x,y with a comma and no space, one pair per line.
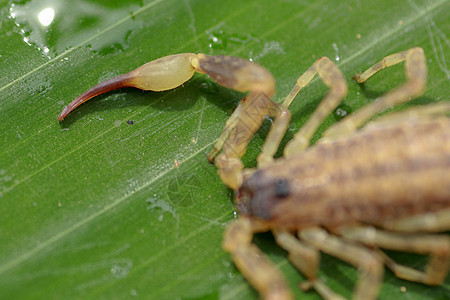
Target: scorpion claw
106,86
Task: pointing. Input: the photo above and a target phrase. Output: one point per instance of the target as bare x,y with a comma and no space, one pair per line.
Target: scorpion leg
428,111
435,222
436,246
253,111
245,115
253,264
416,74
333,78
229,125
243,76
161,74
306,259
281,117
368,262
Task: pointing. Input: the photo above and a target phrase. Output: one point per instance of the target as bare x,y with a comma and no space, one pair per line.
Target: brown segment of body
380,174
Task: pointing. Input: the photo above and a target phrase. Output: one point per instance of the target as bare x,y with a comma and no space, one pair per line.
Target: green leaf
119,200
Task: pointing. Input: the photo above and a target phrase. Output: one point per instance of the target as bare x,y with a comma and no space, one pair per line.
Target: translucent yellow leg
416,74
333,78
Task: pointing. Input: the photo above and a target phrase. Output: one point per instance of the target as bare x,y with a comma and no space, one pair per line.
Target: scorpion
366,185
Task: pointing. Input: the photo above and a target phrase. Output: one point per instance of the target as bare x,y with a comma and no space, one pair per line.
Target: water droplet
120,270
272,47
208,87
341,111
36,83
52,26
163,205
336,49
217,40
46,16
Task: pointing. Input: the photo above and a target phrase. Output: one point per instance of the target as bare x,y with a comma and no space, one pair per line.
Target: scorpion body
359,179
358,190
